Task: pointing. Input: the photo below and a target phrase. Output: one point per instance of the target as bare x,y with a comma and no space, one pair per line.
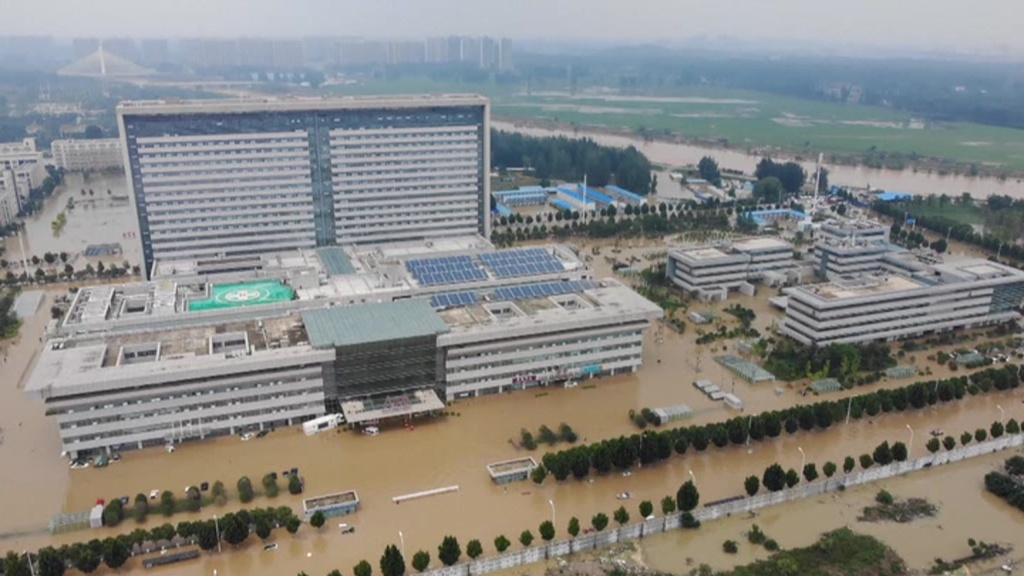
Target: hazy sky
984,24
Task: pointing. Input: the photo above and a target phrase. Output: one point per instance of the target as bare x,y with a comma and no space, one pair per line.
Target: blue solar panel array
445,270
544,290
453,299
522,262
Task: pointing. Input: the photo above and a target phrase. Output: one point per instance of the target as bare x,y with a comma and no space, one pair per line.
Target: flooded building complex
81,155
371,333
712,272
227,178
21,170
936,298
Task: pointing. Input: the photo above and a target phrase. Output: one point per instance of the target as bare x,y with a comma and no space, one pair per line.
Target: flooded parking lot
448,451
97,218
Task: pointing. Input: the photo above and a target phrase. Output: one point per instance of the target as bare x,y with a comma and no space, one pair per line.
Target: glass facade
218,184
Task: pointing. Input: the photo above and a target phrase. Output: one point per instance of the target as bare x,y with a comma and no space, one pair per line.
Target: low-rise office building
374,334
81,155
711,272
943,297
24,166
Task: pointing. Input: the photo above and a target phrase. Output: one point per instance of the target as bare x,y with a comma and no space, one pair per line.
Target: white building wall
238,194
78,155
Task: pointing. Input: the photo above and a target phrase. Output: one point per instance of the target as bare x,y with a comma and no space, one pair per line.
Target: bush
866,461
220,497
688,521
167,503
245,492
730,547
113,513
756,536
294,484
141,508
270,487
771,545
884,497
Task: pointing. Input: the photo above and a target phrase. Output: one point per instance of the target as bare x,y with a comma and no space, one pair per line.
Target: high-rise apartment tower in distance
218,179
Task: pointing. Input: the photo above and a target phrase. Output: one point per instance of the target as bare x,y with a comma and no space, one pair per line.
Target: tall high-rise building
219,179
256,52
288,54
505,54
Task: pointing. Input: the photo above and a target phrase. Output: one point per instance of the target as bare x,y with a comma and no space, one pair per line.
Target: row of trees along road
569,159
449,552
654,446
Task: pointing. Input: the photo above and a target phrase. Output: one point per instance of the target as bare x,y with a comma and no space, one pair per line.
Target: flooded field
97,218
674,154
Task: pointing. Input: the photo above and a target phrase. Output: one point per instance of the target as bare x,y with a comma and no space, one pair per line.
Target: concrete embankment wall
542,552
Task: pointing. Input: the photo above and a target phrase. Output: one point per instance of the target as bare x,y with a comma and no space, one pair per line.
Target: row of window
569,340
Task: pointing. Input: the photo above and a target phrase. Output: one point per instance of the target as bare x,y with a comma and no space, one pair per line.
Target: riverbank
674,151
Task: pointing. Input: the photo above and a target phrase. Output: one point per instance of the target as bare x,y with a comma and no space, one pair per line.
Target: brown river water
445,452
674,155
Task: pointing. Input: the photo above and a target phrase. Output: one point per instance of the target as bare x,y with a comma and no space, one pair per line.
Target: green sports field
243,294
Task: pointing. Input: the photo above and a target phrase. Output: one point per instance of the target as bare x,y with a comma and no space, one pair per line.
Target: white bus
322,424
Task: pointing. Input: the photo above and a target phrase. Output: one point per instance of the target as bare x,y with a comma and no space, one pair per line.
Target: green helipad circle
244,294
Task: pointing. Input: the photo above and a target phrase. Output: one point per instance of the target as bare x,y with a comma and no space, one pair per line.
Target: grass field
963,213
746,120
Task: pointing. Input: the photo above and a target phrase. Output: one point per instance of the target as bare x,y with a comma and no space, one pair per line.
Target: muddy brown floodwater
448,451
677,154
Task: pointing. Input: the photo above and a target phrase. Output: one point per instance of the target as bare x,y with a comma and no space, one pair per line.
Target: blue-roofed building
569,196
524,196
625,196
893,196
765,217
561,205
502,210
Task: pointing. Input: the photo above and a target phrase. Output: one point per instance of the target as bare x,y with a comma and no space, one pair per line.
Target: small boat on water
937,432
624,495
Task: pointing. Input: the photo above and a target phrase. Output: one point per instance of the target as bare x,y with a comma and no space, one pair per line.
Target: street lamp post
552,504
803,459
910,447
401,540
31,567
216,526
692,478
1002,415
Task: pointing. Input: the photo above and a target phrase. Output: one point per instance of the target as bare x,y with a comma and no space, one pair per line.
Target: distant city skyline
984,25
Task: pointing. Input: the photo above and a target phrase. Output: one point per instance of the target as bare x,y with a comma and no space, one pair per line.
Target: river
674,154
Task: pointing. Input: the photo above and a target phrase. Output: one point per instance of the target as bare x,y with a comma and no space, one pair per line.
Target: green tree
334,572
474,549
810,472
848,464
1012,426
866,461
85,558
599,521
574,526
526,538
140,508
882,454
262,527
115,552
294,484
217,491
16,565
546,531
270,487
449,551
949,442
234,529
421,560
245,492
730,547
829,469
751,485
167,503
621,516
539,474
113,513
363,568
687,497
391,562
792,478
501,543
50,562
980,434
317,520
768,190
646,508
966,438
933,445
899,452
708,169
206,535
997,429
292,525
668,505
774,478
